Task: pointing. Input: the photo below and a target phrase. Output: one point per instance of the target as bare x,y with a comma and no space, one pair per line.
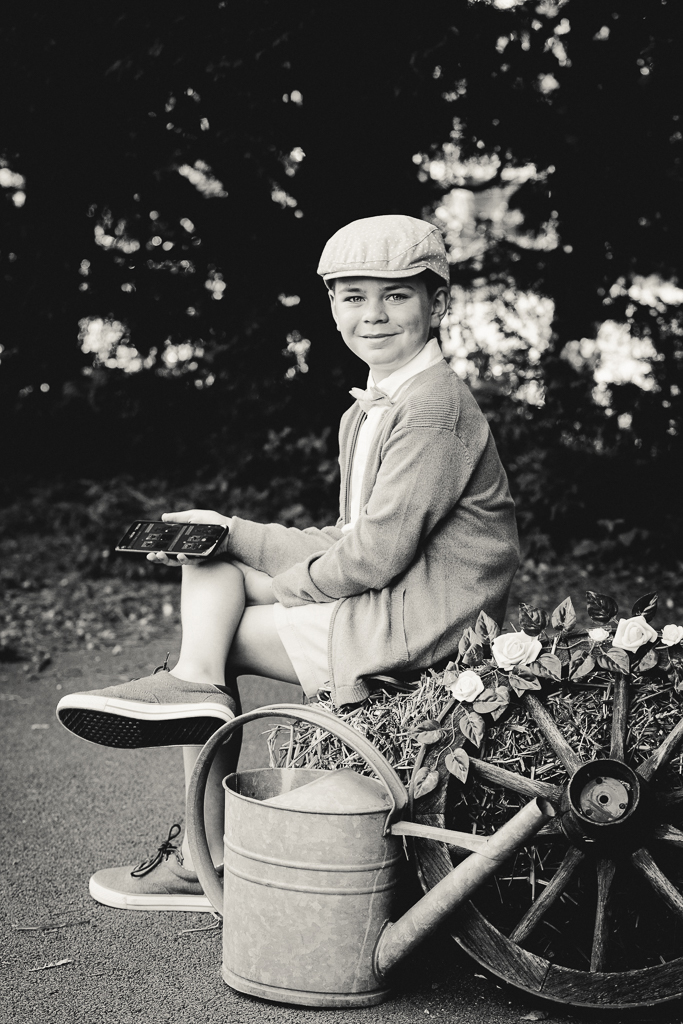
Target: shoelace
165,850
164,667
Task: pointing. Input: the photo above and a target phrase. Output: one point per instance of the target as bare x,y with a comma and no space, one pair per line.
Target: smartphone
198,539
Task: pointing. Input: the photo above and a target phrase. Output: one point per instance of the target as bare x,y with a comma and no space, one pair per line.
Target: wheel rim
627,852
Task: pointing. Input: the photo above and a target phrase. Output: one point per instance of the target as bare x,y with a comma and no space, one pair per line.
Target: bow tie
373,398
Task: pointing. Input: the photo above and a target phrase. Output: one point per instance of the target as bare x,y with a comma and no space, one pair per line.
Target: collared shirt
391,386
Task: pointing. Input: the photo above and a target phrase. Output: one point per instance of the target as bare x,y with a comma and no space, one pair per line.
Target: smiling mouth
376,337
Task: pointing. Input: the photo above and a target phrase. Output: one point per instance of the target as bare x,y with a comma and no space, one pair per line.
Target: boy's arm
273,548
422,477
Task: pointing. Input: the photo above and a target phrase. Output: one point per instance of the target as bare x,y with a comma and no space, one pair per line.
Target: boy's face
385,322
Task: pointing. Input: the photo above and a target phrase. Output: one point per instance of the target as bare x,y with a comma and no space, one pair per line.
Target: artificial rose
467,686
512,649
598,634
672,635
633,633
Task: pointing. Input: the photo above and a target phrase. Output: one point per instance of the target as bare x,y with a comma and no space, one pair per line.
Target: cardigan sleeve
424,472
274,548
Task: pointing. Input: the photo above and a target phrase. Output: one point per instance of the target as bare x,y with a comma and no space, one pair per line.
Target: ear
331,295
440,303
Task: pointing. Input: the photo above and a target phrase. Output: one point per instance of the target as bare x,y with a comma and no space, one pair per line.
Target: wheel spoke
664,751
511,780
606,869
673,837
619,719
671,801
553,830
642,859
550,894
548,726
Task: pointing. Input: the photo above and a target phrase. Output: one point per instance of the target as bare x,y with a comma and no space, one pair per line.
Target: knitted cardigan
435,542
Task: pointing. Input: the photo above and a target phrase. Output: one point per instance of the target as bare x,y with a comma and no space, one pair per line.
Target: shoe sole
148,901
113,722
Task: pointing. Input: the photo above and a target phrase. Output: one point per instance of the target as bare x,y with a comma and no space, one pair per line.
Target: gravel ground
70,807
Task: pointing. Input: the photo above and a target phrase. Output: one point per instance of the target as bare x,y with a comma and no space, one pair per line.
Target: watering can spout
400,938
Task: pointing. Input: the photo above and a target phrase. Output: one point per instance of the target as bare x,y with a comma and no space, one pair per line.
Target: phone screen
173,538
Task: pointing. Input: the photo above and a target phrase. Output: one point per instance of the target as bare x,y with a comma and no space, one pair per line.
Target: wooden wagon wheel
603,925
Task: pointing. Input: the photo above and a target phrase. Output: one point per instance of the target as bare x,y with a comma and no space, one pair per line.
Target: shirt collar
426,357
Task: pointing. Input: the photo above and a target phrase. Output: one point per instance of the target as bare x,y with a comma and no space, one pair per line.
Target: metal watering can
311,869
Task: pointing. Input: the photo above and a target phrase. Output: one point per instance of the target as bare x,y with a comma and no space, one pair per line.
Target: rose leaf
467,640
424,782
458,763
473,727
648,661
427,732
548,666
617,658
675,676
564,615
584,668
486,701
486,707
519,685
601,607
486,627
532,620
426,723
525,672
450,674
646,606
429,737
473,656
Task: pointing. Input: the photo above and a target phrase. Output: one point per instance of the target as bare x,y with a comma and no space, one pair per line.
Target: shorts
304,632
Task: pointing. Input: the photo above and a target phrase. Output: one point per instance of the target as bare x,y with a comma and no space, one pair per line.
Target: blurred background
169,174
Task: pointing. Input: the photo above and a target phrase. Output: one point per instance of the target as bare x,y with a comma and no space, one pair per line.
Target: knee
227,573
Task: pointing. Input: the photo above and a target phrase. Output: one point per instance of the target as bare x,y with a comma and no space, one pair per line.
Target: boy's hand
193,515
197,515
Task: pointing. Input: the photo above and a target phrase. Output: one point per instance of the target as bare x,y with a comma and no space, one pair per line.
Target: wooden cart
592,913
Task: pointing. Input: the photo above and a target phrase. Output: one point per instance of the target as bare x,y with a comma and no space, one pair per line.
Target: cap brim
389,275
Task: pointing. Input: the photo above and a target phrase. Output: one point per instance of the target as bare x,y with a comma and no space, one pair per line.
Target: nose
375,313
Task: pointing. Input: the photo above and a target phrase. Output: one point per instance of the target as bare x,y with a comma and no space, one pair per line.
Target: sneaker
160,883
154,711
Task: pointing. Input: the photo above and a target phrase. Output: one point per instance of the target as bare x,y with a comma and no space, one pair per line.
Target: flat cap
388,246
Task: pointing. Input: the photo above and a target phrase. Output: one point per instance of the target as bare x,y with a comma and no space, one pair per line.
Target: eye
353,298
398,296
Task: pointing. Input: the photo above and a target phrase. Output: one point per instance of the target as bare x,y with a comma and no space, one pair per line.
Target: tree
184,168
587,97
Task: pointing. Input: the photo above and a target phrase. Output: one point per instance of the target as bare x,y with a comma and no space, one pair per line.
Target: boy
425,539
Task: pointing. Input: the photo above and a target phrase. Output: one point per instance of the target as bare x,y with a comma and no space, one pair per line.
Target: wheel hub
606,808
605,799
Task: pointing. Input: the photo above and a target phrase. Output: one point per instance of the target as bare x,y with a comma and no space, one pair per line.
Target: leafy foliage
203,160
600,607
458,763
428,731
565,654
425,782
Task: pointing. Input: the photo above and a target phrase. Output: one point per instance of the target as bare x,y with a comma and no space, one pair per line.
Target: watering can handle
196,833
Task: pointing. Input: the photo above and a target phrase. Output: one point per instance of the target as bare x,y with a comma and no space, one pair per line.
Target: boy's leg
215,623
183,705
212,601
257,650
